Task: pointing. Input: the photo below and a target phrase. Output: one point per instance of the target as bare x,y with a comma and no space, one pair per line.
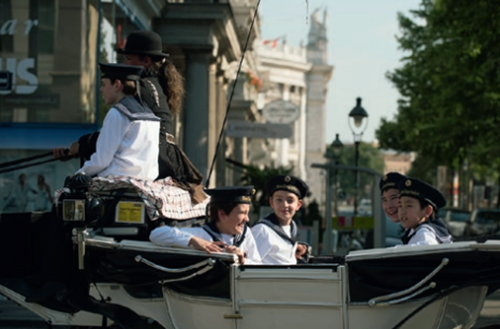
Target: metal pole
327,244
356,162
336,191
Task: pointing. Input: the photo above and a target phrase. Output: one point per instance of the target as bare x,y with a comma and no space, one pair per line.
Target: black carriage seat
125,216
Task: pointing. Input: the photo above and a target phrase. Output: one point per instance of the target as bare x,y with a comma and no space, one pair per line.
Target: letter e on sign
5,80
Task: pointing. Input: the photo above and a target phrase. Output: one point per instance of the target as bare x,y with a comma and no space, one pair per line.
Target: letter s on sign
23,73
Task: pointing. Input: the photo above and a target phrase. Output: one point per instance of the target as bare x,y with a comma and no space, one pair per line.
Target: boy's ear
117,84
428,211
299,204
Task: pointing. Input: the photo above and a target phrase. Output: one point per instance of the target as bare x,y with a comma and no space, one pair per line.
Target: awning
41,137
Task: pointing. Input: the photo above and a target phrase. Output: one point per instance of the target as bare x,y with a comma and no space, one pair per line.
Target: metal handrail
376,301
207,262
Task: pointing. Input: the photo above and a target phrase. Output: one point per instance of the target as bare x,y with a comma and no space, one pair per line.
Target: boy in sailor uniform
128,141
418,204
226,231
390,194
275,234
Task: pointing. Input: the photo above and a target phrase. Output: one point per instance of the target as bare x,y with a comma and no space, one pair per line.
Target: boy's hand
204,245
238,252
301,250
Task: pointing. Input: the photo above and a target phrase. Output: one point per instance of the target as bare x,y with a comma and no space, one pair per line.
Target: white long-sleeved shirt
125,147
179,237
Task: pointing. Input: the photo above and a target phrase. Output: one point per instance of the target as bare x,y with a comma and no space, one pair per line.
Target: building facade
49,80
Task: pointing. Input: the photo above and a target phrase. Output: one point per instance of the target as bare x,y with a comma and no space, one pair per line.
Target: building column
199,105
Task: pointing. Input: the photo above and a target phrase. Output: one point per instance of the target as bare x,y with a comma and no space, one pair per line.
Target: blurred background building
49,84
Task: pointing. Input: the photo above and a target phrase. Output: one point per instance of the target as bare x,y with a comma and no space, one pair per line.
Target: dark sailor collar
437,226
133,110
214,232
272,222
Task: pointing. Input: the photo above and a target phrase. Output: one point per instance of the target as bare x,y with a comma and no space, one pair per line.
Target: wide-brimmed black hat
231,194
143,43
418,189
287,183
390,180
120,71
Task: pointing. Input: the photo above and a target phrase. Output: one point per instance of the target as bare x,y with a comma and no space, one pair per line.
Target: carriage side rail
414,290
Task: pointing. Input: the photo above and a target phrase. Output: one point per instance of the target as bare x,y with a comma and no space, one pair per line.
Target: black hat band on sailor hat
287,183
231,194
120,71
390,180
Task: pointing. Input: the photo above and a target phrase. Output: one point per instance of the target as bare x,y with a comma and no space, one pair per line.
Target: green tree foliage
253,175
449,83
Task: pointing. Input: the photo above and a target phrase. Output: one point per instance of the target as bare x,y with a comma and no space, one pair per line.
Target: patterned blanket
163,199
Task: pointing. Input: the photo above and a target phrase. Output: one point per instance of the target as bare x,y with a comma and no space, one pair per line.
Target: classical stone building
299,75
317,82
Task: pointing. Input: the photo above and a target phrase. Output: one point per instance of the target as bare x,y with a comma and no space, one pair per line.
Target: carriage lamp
78,206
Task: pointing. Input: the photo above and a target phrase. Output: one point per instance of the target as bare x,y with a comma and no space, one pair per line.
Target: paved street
13,316
490,313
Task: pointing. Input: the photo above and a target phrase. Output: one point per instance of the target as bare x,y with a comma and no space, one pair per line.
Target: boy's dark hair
225,207
424,204
129,87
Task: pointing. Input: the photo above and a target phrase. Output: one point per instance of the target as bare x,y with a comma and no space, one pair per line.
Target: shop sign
281,111
238,128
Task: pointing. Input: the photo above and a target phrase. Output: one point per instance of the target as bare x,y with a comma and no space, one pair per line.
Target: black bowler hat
120,71
234,194
143,43
287,183
418,189
390,180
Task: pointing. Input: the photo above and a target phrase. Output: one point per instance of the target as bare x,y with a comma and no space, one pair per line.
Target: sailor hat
418,189
120,71
231,194
390,180
287,183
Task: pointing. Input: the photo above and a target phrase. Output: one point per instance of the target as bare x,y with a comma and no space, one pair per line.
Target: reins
207,183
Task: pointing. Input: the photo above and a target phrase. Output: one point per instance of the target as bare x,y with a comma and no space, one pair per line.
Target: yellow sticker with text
129,212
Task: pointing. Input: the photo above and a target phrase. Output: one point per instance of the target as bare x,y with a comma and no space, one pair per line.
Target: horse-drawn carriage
114,276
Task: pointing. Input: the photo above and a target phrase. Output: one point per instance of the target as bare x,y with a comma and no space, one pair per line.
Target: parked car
482,221
456,219
393,232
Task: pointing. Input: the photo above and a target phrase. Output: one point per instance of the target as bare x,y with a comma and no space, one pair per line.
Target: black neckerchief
405,239
437,226
272,222
214,232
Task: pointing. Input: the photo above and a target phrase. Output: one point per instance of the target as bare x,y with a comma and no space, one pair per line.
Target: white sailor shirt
125,147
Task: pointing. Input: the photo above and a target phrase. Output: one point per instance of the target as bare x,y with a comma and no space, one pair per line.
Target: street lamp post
332,154
357,124
337,148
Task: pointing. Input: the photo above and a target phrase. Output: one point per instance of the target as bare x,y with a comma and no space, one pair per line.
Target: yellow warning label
129,212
